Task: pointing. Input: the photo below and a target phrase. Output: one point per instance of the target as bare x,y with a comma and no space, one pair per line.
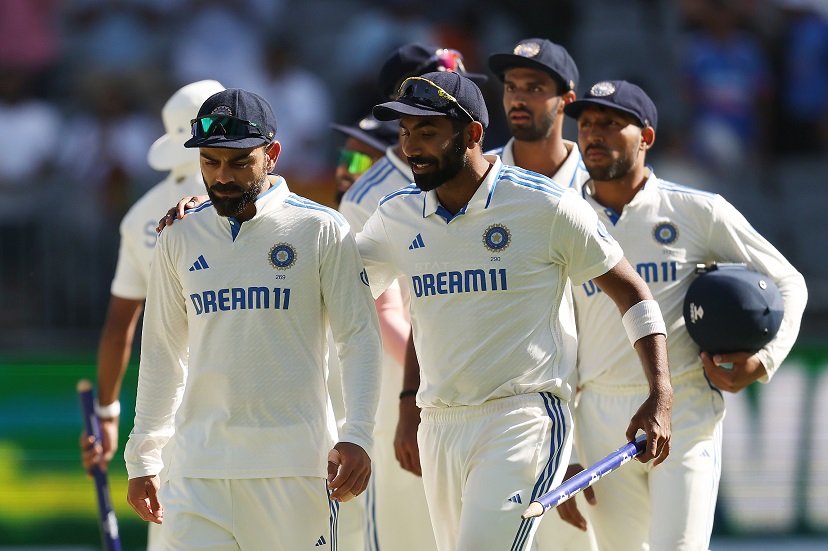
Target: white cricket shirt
138,233
252,301
572,172
488,285
665,231
388,174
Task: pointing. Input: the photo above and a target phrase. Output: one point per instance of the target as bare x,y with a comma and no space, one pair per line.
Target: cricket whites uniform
388,527
138,236
572,171
554,534
665,231
248,404
495,339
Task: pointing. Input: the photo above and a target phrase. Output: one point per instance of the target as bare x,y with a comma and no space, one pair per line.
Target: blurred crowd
741,87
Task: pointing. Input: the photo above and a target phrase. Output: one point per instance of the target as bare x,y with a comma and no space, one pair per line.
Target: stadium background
82,83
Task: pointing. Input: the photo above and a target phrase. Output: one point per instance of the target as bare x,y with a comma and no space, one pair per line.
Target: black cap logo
222,110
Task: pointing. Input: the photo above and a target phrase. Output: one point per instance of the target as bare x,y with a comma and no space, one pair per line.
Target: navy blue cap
238,104
415,59
621,95
377,134
466,92
541,54
729,308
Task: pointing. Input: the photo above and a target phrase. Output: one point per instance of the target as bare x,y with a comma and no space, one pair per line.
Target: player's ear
647,137
474,133
272,153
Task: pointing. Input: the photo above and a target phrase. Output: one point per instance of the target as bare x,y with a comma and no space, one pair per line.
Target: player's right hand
142,495
100,453
405,439
568,510
178,211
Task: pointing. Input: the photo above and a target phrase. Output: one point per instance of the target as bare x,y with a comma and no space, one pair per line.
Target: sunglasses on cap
424,92
231,127
356,162
446,59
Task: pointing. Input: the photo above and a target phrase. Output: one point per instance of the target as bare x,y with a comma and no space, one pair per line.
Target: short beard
617,169
452,163
230,207
534,132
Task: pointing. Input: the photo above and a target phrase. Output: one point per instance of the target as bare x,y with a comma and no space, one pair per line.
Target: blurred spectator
803,77
727,86
303,110
117,36
27,150
28,31
202,49
105,157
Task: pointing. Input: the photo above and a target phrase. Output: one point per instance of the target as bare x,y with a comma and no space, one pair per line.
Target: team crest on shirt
497,237
665,233
282,256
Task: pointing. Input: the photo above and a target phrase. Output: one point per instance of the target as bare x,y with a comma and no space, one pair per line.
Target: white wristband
643,319
108,412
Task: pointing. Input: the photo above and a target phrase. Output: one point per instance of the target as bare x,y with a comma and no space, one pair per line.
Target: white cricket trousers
665,508
249,514
483,465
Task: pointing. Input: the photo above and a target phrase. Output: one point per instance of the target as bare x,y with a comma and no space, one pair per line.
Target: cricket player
129,286
666,230
391,527
539,78
250,283
487,250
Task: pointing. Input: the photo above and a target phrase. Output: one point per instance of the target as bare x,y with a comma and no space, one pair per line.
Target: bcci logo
282,256
602,89
527,49
496,238
222,110
665,233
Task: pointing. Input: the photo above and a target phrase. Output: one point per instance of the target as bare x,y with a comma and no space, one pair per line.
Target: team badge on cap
527,49
602,89
665,233
222,110
282,256
496,238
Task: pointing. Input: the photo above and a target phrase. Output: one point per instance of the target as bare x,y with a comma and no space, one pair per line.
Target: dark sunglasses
231,127
424,92
356,162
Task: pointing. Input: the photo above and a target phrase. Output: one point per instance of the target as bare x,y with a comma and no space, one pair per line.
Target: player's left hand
746,369
568,510
653,418
349,469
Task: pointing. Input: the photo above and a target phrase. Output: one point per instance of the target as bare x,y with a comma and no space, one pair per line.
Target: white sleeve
356,214
732,238
163,368
355,329
131,271
580,241
376,254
